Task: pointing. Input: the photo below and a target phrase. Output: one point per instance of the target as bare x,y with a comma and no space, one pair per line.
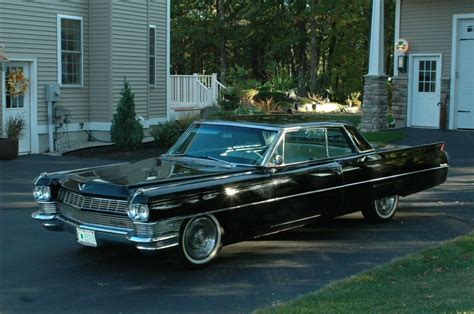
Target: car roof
276,121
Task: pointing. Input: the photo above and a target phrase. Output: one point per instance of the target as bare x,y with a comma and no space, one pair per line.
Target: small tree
126,131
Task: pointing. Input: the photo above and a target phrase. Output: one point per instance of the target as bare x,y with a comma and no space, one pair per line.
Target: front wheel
200,241
382,209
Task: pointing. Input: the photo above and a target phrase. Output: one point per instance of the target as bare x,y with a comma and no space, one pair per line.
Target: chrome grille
92,203
158,228
47,207
86,217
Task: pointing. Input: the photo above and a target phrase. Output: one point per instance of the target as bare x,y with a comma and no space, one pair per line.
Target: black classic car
227,181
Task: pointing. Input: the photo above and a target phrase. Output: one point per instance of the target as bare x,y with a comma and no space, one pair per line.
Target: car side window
312,144
338,143
359,140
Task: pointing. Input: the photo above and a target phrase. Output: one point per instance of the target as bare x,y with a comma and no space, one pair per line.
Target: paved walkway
43,271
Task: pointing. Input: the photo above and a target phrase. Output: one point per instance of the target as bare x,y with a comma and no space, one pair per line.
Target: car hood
117,180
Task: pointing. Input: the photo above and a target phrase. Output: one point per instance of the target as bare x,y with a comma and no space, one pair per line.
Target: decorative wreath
17,83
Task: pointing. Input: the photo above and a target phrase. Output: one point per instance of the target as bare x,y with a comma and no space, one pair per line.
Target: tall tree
221,31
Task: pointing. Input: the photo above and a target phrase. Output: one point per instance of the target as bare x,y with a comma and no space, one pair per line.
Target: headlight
42,193
139,212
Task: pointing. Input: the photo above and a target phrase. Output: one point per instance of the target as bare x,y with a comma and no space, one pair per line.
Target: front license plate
86,237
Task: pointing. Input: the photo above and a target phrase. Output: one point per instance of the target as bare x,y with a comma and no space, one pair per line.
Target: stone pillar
374,107
400,100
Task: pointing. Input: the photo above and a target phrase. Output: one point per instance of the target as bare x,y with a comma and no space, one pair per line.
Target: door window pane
427,76
13,102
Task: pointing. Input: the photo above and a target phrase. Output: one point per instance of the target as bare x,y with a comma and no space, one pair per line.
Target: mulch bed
112,152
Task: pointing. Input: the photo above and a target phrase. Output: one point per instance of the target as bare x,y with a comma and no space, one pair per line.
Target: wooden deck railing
193,92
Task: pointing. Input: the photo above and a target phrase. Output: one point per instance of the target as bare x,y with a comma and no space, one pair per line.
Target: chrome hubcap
386,206
201,238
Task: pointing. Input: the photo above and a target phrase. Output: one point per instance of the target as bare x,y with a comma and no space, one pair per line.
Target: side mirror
278,160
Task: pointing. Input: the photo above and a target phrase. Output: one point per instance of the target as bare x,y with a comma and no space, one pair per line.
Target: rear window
358,139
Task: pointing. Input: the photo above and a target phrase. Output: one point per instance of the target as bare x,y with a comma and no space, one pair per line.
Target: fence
193,92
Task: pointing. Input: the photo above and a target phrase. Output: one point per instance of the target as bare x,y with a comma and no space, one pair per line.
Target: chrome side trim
297,220
442,166
150,240
146,248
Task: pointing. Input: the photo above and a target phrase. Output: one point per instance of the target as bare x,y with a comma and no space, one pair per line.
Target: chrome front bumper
144,236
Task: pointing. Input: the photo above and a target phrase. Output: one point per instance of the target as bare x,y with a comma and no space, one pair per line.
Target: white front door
465,76
426,81
19,106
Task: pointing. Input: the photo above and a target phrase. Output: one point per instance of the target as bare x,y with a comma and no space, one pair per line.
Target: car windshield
227,143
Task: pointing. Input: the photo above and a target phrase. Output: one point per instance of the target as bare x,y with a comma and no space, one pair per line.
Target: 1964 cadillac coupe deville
224,182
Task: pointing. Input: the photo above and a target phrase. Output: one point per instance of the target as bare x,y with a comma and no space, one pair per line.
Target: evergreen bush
126,131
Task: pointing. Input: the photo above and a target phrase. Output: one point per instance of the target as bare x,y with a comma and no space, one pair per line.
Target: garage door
465,76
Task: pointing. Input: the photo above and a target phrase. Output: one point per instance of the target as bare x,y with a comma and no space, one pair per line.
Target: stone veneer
399,100
375,103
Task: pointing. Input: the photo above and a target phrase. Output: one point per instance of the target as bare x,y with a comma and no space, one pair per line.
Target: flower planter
8,149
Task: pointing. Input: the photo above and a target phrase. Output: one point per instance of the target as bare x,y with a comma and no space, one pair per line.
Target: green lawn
352,118
384,136
439,279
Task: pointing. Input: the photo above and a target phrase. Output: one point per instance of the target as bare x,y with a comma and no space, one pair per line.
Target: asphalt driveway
42,271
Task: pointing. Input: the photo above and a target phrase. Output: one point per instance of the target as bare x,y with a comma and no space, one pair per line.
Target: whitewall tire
382,209
200,241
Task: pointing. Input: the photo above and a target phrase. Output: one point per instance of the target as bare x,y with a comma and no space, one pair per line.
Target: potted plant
14,129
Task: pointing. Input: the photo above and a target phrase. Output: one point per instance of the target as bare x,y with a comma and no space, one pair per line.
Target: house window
427,76
69,50
151,55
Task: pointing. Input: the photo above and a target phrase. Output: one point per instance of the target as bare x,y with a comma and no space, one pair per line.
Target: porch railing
193,92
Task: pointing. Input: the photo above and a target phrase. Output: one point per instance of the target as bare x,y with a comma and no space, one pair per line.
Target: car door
308,182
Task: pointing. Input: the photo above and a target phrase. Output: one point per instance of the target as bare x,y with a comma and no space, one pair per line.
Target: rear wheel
382,209
200,241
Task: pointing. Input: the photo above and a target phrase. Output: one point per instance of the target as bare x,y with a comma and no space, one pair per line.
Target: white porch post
376,62
375,102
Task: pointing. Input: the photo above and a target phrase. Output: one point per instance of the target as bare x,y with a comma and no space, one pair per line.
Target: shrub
248,95
247,110
281,83
240,77
166,134
15,127
277,97
354,99
126,131
229,99
268,105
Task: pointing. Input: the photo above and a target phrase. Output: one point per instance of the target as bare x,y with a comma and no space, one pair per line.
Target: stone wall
375,103
399,101
445,88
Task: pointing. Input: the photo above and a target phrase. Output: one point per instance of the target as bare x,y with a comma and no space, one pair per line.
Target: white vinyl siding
428,25
114,46
130,52
29,30
101,61
157,95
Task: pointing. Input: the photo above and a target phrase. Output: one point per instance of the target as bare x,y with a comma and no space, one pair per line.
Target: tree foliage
126,131
321,45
